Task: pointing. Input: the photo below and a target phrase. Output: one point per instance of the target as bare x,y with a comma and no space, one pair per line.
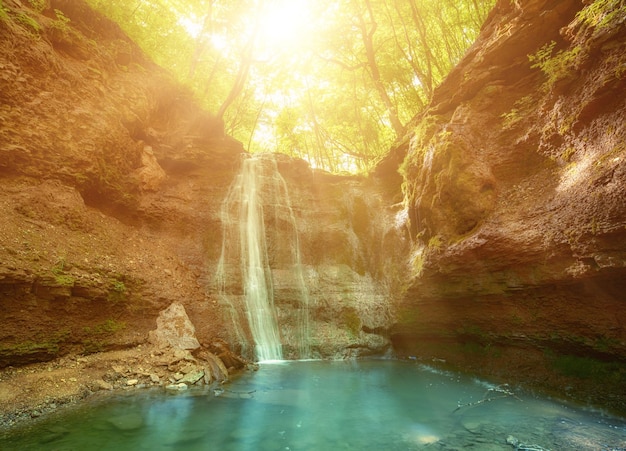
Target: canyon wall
515,183
111,184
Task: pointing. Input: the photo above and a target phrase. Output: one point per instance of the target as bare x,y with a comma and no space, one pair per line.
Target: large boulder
174,329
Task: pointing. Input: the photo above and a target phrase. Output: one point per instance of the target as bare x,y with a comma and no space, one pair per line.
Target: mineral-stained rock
176,387
192,377
174,329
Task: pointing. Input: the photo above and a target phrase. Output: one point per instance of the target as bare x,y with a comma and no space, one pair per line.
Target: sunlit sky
284,25
308,60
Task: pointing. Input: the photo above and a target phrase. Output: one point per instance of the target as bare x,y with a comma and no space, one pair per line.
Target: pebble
181,386
102,385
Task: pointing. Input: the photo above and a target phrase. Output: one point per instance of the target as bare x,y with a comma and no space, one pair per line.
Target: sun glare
284,25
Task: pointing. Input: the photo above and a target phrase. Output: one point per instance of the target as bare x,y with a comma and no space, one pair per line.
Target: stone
192,377
128,422
132,382
174,329
103,385
179,386
155,378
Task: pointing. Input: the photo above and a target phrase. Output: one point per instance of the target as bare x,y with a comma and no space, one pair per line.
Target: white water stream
258,195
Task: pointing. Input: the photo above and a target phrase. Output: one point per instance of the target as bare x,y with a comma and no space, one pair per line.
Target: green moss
96,336
40,345
351,320
118,291
588,368
29,347
110,326
60,276
38,5
4,16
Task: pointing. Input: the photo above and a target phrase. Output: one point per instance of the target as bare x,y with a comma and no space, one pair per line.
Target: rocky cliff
111,184
515,183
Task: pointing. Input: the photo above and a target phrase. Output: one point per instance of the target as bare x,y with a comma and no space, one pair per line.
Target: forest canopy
331,81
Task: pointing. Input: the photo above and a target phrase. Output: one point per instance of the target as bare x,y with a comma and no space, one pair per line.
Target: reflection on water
345,405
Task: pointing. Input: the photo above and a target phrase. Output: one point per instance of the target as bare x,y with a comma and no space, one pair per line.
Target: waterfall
259,235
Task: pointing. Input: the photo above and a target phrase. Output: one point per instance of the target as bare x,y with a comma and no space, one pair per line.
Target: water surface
340,405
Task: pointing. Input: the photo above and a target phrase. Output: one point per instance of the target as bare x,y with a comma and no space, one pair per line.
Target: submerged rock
128,422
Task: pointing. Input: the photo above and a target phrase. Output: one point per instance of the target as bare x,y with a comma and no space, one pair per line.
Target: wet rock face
515,184
329,247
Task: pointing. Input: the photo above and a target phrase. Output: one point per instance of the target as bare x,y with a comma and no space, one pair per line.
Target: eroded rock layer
515,190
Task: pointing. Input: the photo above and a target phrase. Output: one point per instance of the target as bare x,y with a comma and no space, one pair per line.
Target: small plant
60,276
38,5
28,23
554,67
435,243
64,279
95,335
517,113
61,22
601,13
118,292
118,286
4,15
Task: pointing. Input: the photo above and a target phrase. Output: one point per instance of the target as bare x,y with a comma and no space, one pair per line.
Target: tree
330,81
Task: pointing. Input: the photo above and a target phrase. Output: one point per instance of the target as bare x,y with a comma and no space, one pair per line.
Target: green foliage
96,336
360,68
520,109
555,67
118,286
38,5
46,345
4,15
61,22
60,277
118,291
601,13
28,23
64,279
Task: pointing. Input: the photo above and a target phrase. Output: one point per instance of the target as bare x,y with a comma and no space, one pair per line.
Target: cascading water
259,231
